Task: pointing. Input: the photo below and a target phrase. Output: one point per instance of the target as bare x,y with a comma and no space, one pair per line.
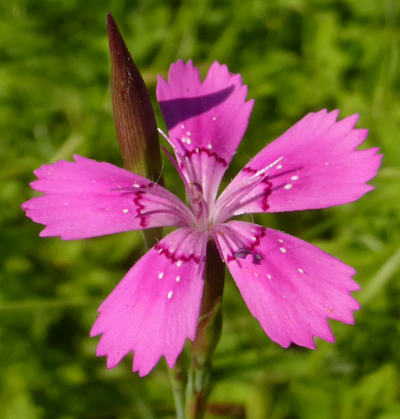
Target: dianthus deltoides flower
290,286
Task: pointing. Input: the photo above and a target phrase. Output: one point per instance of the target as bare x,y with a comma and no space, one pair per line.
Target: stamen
262,171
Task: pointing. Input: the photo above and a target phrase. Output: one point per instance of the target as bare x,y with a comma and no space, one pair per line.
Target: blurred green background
296,56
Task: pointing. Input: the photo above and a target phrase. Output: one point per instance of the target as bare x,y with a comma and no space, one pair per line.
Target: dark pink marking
249,249
209,154
140,207
267,189
173,258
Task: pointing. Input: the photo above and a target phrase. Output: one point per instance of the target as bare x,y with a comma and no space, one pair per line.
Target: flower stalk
207,336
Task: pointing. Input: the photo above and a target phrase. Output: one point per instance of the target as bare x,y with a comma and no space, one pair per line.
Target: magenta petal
156,306
289,285
206,121
86,198
317,166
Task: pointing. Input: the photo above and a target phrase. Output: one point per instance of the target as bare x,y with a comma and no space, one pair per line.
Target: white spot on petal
288,186
256,274
170,293
160,275
279,166
160,251
295,177
125,210
280,241
178,278
183,139
253,238
269,276
300,270
282,249
214,118
179,263
188,140
197,150
136,185
209,146
188,133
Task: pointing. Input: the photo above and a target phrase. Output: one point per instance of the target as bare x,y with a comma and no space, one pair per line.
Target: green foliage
296,56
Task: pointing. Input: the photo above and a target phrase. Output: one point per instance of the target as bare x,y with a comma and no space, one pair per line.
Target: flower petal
156,306
315,164
87,198
289,285
206,121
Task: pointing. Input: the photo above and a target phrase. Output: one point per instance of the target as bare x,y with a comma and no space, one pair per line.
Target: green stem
207,337
178,378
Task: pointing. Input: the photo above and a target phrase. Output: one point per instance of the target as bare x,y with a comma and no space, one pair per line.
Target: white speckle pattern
136,185
300,270
295,177
279,166
182,126
160,275
253,238
188,140
288,186
179,263
178,278
209,146
282,249
183,139
269,276
125,210
170,294
188,133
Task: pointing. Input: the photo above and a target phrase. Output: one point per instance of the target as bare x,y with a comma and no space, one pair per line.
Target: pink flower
290,286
